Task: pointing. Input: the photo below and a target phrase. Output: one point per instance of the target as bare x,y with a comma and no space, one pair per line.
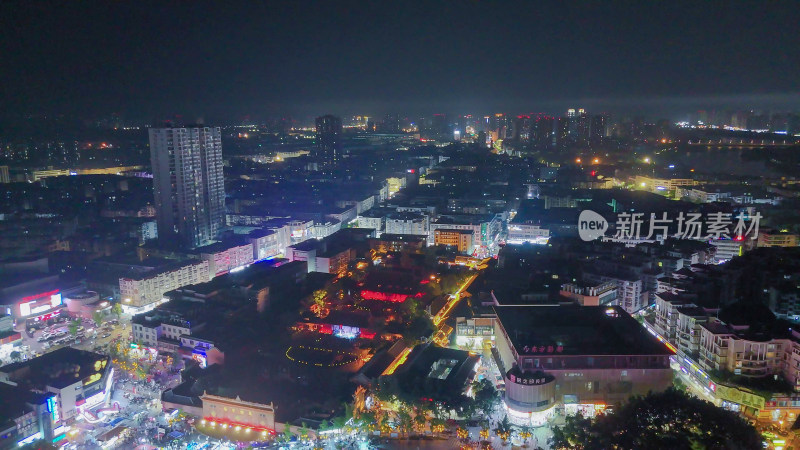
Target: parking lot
56,335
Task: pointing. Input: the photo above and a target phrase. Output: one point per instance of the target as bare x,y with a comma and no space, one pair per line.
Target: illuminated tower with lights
329,139
188,184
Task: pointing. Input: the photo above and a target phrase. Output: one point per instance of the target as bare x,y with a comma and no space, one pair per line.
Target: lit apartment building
774,238
486,228
461,240
519,233
734,349
630,294
728,249
407,223
334,260
144,292
188,184
687,328
661,185
268,243
223,257
666,317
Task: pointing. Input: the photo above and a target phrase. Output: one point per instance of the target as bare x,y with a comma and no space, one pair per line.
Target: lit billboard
39,303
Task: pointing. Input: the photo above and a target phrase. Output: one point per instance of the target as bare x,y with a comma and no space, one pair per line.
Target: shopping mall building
569,359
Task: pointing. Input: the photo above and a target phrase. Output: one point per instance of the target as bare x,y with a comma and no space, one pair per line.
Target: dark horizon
223,62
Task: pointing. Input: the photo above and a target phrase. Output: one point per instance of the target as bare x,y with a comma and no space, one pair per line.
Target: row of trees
671,419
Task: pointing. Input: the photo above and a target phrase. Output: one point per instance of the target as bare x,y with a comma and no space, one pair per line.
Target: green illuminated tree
98,317
116,309
73,327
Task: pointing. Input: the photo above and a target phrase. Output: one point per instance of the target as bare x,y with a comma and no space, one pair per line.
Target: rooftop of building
307,246
463,219
450,230
216,247
437,372
15,401
578,330
12,279
406,216
693,311
393,237
59,369
259,233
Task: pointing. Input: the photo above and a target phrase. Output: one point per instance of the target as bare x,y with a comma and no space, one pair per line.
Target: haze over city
225,61
366,225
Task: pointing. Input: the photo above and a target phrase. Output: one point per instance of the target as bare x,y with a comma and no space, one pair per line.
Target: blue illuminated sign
52,408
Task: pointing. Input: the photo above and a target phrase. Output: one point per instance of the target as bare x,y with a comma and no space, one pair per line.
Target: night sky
230,59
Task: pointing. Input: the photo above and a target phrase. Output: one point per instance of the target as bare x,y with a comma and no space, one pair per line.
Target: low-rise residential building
775,238
174,327
461,240
520,233
335,260
661,185
223,257
737,350
687,328
144,291
630,294
388,242
727,249
407,223
372,219
268,243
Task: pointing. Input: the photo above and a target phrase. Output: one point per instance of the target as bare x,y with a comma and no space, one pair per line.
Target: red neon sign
382,296
42,295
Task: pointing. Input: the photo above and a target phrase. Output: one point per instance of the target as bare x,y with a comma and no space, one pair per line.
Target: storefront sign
735,395
528,349
528,381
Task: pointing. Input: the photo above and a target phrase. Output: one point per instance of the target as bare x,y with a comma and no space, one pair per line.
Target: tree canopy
670,419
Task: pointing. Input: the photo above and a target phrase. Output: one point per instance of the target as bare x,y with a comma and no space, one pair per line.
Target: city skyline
449,224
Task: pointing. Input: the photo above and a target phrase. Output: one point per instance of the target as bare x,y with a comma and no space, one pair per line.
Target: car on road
105,335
